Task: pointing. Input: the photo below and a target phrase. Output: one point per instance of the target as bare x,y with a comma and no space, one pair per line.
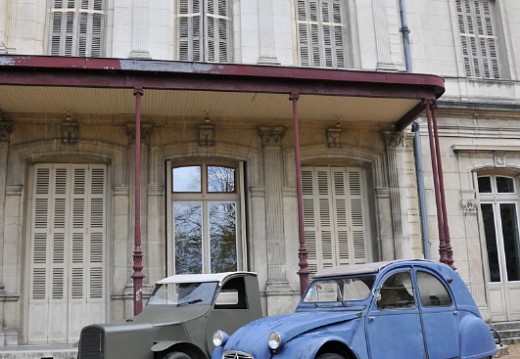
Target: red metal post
137,275
447,245
438,184
302,251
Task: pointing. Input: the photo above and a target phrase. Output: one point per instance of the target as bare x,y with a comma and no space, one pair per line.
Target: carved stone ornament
271,135
470,207
206,135
146,132
394,140
334,137
500,159
6,129
69,131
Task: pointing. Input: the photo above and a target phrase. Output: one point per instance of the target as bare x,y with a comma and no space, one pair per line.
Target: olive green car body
176,331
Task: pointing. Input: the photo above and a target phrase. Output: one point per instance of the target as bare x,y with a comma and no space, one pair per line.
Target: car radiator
92,343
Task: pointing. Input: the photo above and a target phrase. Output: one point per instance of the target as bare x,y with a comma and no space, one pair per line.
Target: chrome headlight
274,340
220,338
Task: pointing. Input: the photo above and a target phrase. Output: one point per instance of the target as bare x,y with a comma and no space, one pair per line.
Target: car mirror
377,294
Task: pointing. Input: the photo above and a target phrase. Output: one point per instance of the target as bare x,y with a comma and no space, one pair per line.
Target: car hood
254,334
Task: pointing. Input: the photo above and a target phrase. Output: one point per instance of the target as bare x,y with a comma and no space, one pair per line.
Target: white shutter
67,251
334,204
478,38
76,28
321,33
217,31
205,32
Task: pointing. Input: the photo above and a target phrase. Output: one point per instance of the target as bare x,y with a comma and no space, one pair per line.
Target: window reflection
511,241
505,185
187,179
188,237
491,241
484,184
223,236
221,179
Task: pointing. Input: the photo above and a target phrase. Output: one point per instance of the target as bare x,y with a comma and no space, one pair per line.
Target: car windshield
180,294
339,290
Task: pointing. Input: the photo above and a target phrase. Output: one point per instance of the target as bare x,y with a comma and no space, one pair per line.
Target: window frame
71,39
304,34
207,198
480,51
207,21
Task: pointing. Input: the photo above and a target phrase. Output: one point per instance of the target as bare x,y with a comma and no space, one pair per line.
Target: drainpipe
423,213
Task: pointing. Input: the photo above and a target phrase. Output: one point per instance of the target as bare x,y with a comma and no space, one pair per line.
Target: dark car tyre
329,356
177,355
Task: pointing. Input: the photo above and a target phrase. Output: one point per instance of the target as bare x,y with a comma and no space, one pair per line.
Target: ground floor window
205,216
499,206
335,216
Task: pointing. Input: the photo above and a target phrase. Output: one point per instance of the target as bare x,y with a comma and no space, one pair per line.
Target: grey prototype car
179,319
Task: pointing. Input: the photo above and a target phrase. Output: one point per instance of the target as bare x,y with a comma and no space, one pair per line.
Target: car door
439,316
393,324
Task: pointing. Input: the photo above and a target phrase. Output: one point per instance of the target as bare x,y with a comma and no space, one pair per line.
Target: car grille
234,354
92,343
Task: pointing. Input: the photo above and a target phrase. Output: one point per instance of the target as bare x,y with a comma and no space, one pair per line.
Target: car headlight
220,338
274,340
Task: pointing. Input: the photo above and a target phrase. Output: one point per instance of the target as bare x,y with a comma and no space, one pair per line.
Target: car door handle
455,312
371,318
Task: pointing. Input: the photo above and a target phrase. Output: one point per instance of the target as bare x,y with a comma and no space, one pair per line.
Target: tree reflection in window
205,205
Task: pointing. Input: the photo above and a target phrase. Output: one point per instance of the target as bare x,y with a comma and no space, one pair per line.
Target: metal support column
445,251
302,252
137,275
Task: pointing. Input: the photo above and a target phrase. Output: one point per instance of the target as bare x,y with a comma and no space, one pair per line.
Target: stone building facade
219,190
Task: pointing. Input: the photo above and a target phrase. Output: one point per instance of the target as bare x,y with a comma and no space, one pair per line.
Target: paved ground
514,352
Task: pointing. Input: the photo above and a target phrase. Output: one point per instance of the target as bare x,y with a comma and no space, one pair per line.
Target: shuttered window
335,220
76,28
204,30
321,33
478,38
67,251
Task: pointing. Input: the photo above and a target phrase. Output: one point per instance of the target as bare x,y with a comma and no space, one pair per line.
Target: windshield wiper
189,302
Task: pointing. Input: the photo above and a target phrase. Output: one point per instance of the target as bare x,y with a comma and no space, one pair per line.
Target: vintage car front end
297,335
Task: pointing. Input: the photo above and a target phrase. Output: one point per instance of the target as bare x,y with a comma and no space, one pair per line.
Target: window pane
484,184
223,236
511,242
188,237
397,292
187,179
505,185
221,179
491,241
432,291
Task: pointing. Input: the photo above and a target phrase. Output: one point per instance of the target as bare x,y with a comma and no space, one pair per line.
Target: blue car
400,309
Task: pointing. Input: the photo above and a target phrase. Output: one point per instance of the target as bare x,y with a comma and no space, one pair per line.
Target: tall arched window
205,212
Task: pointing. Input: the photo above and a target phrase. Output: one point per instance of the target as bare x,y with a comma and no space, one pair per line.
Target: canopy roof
47,84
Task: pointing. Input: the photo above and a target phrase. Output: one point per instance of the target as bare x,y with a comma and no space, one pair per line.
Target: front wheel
329,356
177,355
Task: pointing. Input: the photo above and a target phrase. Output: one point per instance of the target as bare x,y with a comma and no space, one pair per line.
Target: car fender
476,340
308,346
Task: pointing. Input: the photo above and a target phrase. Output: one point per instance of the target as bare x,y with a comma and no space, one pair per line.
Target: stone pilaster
474,251
396,146
140,30
383,43
266,33
273,182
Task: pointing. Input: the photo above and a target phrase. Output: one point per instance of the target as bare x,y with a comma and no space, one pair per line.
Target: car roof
372,267
203,278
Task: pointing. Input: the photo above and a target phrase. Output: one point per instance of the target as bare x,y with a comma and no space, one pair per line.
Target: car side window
432,292
397,292
232,295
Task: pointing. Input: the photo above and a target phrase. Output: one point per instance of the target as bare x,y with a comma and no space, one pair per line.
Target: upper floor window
204,30
478,36
321,33
76,28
